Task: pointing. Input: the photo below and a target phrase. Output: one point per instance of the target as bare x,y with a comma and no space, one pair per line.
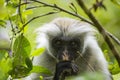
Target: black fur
65,68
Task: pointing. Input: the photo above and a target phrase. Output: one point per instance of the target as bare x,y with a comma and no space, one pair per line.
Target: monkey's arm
65,68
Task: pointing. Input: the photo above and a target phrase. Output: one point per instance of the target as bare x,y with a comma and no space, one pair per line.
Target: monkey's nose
65,56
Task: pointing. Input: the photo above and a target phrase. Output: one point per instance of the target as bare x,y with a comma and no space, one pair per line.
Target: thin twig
89,65
23,4
114,38
11,24
100,29
34,19
73,7
63,10
19,11
13,31
33,7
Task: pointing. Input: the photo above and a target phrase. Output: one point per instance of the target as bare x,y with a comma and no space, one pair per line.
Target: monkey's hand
65,68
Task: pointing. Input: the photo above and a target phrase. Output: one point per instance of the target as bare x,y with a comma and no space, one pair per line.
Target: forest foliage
20,18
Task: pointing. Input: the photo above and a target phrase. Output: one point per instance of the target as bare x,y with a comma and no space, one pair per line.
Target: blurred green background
109,18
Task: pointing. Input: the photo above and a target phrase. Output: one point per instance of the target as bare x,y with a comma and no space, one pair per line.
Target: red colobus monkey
70,50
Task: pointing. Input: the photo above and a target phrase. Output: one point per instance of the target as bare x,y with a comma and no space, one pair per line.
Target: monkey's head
63,37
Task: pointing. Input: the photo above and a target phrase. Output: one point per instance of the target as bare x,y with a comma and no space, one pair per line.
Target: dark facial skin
66,52
66,45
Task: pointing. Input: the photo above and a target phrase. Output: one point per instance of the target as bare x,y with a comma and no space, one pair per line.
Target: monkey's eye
57,43
74,44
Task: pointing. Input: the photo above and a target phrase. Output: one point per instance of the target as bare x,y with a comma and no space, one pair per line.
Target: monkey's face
65,48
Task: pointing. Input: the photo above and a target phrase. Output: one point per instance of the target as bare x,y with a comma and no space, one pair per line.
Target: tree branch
100,29
19,11
63,10
89,65
74,14
20,4
34,19
114,38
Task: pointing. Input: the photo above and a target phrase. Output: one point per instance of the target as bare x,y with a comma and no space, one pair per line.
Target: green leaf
21,51
38,52
40,69
5,66
114,67
117,2
41,77
116,77
2,23
2,54
19,71
21,48
27,12
28,63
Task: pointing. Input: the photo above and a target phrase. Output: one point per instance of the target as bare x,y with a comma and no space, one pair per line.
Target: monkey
71,49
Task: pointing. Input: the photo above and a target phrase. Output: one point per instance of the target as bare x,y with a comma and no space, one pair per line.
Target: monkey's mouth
68,66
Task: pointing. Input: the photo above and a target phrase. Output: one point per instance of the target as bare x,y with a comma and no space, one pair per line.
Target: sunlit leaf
5,66
3,12
40,69
114,68
41,77
27,12
12,4
38,52
116,77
